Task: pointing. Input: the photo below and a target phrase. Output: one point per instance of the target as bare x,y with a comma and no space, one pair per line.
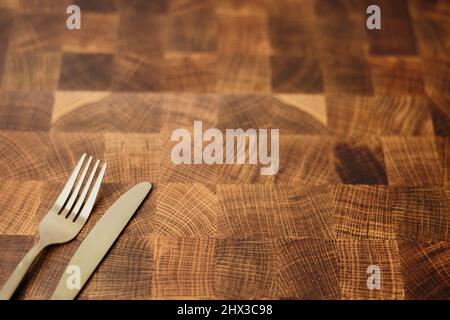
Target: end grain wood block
192,32
347,75
98,35
184,268
186,210
411,161
397,76
363,212
440,113
37,33
126,272
86,72
19,207
421,214
103,6
308,269
248,211
425,269
242,35
137,71
290,113
360,161
396,36
355,256
296,74
245,269
304,212
25,110
132,157
437,77
291,36
306,160
85,111
23,155
379,115
140,32
243,74
31,71
41,6
190,73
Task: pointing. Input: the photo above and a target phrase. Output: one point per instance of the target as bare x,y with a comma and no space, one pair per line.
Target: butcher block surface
364,119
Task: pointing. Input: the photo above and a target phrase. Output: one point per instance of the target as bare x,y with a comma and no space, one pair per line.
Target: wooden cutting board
364,119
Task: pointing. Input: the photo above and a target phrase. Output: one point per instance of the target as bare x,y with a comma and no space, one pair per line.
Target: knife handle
19,273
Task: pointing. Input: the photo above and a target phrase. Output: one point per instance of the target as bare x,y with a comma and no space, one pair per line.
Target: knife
99,240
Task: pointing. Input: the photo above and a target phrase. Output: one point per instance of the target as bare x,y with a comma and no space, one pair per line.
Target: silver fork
64,220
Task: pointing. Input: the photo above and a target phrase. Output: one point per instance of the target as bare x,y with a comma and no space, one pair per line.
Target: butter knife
99,240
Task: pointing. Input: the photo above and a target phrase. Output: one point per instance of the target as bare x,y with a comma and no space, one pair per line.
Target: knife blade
94,247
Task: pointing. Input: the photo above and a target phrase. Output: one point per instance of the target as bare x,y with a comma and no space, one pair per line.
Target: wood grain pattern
364,120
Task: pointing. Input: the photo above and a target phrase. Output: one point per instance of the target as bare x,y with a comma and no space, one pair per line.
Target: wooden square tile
190,73
424,269
379,115
100,6
308,269
132,157
23,155
389,42
176,205
132,36
242,35
411,161
432,34
78,111
184,268
86,72
19,207
35,71
443,145
347,75
98,34
192,32
437,77
135,71
307,160
291,36
363,212
35,111
421,214
43,6
355,256
247,211
305,212
289,113
360,161
397,76
246,74
245,269
36,33
296,74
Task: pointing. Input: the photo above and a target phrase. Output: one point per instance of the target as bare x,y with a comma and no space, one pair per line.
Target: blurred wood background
364,118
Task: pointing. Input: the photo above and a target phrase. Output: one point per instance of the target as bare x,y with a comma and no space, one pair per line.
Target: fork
64,220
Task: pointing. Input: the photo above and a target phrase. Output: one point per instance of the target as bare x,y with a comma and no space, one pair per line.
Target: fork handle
19,273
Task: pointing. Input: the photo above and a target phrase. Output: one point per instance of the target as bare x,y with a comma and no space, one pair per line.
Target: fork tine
87,208
80,200
62,197
76,190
